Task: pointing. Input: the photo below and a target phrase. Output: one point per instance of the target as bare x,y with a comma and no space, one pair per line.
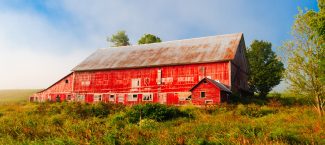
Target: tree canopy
305,55
148,38
119,39
266,71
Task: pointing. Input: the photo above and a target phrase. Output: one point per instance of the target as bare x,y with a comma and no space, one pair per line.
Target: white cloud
35,53
37,49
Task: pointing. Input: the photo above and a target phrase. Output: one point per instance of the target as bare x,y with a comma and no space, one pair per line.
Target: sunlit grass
73,123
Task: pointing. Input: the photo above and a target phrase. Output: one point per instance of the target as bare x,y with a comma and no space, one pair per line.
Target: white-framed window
136,83
97,97
111,98
120,98
132,97
159,76
147,97
208,101
85,83
80,98
202,94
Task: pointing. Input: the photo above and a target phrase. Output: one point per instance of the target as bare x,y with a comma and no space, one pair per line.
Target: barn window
111,98
136,83
66,81
159,77
132,97
147,97
97,98
80,98
202,94
120,98
85,83
69,97
208,101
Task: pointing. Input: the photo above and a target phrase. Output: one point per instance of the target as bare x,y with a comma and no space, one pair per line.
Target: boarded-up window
136,83
120,98
162,98
80,98
85,83
159,77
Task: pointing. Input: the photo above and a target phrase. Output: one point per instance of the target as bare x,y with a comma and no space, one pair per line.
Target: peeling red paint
128,76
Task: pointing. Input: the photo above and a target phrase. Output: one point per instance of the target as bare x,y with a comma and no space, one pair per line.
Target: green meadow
278,120
12,96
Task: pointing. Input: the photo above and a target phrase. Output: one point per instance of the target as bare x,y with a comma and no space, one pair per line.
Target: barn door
162,97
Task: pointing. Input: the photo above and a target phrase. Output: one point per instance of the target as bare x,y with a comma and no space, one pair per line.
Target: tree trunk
319,105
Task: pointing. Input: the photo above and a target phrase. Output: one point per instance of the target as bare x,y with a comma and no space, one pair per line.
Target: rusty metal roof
187,51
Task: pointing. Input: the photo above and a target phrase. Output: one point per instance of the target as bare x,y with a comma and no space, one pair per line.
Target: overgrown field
276,122
9,96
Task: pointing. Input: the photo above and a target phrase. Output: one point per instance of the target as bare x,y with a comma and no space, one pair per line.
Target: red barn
200,70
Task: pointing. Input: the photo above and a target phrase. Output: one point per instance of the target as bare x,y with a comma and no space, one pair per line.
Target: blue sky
42,40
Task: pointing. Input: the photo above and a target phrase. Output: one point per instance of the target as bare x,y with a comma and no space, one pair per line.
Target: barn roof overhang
221,86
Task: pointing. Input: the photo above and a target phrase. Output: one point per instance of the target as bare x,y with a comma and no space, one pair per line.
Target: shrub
156,112
80,110
254,111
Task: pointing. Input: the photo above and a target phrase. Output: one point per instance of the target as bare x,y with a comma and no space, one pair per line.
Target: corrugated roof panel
196,50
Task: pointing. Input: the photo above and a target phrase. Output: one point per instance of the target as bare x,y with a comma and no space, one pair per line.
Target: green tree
304,56
266,71
149,38
119,39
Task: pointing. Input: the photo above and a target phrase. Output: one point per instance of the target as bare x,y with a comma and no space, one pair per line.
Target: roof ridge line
239,33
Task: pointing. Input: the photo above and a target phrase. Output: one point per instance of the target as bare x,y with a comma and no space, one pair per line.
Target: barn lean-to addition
200,70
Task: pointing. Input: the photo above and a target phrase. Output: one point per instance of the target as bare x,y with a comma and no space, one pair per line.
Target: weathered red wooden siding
211,93
174,78
60,88
239,69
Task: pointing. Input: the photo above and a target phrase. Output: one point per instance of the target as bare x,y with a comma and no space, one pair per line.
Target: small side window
202,94
66,81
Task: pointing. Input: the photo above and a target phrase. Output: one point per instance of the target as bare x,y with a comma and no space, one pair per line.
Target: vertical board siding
211,93
118,82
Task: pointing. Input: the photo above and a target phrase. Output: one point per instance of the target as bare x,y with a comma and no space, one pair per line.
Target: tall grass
75,123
